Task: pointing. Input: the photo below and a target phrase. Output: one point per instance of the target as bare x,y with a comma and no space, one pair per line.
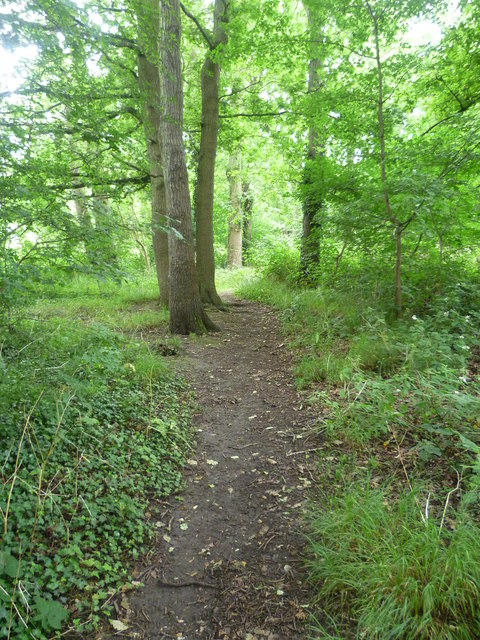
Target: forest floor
228,559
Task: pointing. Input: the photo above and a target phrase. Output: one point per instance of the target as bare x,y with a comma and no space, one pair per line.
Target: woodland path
228,561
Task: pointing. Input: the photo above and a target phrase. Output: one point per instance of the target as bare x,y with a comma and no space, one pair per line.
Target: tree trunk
104,238
338,259
383,169
206,162
150,90
247,206
186,311
139,236
398,270
235,222
312,203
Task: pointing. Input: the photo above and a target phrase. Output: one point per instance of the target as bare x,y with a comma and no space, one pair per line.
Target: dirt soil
228,562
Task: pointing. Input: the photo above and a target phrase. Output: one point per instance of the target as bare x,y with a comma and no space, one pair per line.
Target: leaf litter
230,566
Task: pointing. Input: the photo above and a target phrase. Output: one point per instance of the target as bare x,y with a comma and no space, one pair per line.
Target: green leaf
469,445
8,565
50,613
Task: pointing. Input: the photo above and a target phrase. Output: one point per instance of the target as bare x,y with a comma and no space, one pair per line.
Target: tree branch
236,91
142,180
200,28
268,114
466,107
334,43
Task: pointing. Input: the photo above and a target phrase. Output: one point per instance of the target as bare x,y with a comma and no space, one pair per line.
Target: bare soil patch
228,557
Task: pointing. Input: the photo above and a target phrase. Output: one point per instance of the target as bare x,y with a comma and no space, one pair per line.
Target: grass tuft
376,560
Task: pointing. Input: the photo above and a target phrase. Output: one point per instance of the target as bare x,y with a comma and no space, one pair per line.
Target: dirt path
228,560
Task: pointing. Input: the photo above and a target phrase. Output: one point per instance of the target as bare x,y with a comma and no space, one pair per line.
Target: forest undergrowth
394,524
94,427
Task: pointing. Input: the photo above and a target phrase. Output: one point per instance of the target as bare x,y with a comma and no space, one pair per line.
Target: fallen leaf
118,625
212,463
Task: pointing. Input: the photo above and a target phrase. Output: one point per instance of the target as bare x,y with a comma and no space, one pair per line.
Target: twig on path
191,583
145,573
297,453
142,611
245,446
265,544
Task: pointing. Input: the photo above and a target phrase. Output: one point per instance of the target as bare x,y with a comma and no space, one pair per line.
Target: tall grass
400,575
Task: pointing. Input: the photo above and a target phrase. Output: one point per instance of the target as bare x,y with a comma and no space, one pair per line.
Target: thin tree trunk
235,222
383,169
144,253
102,218
186,312
149,84
311,205
338,259
84,216
247,206
206,163
398,270
139,237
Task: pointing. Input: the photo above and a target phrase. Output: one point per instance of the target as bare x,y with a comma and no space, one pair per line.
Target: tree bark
235,222
150,90
186,312
311,205
206,163
247,207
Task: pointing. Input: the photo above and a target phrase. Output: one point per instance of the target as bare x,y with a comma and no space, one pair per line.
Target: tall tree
149,85
186,311
235,222
312,201
210,76
247,209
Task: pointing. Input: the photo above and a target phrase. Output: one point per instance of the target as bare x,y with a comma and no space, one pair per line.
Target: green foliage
231,279
329,367
93,426
399,576
387,390
276,258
